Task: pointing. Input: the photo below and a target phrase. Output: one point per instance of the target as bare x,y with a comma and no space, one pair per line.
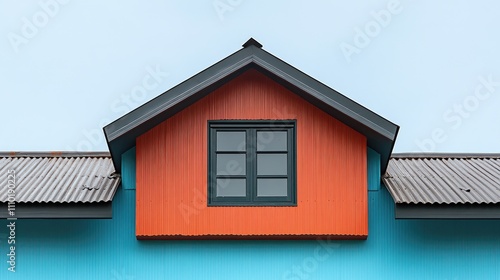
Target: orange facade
171,176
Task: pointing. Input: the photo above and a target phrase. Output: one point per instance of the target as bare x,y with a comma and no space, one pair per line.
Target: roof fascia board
100,210
447,211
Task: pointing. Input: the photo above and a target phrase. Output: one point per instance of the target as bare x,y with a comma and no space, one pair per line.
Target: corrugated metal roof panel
59,177
444,178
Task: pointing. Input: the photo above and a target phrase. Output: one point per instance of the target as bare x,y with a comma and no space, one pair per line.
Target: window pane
231,164
271,164
231,187
268,140
272,187
231,141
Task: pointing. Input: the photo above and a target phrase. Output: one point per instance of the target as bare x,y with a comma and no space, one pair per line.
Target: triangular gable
380,133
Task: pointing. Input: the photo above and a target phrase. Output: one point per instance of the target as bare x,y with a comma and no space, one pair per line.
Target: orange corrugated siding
172,170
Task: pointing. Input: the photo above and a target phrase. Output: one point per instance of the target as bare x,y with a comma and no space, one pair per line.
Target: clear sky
67,68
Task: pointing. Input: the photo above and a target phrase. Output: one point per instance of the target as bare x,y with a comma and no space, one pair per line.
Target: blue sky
67,68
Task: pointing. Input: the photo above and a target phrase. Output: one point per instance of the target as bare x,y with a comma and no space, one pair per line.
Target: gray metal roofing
58,177
444,178
121,134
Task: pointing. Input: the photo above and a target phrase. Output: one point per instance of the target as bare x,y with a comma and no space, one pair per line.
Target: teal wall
128,169
373,170
395,249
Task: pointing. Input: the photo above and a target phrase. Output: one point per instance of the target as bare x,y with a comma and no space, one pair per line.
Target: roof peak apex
252,42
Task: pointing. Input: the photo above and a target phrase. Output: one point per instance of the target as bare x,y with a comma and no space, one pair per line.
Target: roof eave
447,211
96,210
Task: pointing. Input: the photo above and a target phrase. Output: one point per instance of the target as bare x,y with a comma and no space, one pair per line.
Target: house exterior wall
395,249
128,173
172,170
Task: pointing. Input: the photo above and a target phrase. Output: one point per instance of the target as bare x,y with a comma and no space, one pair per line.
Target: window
251,163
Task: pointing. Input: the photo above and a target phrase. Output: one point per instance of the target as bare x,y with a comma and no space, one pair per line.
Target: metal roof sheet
58,177
444,178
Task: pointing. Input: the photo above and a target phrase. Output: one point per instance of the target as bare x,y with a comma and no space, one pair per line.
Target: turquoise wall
373,170
128,169
395,249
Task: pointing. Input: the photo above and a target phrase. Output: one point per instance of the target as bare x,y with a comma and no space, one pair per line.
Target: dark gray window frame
251,198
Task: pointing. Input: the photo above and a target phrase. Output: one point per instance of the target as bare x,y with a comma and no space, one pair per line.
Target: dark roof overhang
447,211
37,210
121,134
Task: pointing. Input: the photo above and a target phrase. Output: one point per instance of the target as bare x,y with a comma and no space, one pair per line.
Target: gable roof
121,134
424,185
58,184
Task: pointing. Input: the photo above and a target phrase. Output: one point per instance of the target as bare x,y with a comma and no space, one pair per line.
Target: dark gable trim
447,211
100,210
121,134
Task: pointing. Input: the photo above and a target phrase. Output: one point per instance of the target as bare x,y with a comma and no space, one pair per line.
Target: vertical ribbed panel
172,170
373,170
128,169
